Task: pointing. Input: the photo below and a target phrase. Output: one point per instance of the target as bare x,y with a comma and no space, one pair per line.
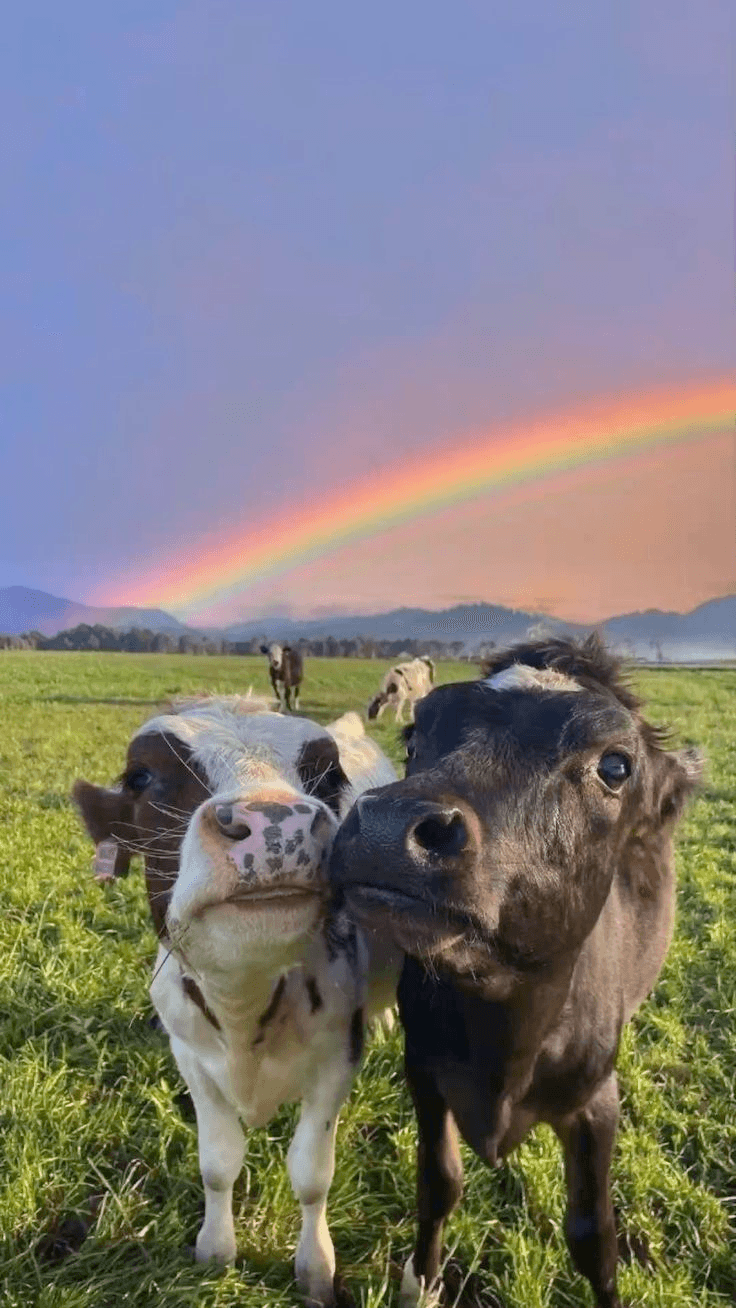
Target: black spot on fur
193,992
315,998
269,1013
272,837
340,938
356,1035
275,813
320,770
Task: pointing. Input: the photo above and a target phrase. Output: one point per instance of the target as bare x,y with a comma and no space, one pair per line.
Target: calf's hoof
214,1249
413,1292
316,1284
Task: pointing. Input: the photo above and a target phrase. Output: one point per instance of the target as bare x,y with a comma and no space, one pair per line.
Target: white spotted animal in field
403,684
262,987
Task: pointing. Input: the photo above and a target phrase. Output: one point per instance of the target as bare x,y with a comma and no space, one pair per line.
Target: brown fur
535,901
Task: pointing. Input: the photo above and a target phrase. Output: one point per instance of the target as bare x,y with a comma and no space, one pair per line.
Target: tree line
139,640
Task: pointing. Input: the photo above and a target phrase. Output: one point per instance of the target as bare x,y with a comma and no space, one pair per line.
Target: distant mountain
467,622
709,631
23,609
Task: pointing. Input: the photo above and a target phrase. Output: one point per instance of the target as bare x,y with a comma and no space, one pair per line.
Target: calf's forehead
529,719
223,745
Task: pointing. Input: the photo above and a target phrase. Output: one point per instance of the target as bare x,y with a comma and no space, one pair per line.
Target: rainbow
493,461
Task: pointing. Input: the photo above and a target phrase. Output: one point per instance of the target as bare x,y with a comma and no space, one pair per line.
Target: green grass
99,1188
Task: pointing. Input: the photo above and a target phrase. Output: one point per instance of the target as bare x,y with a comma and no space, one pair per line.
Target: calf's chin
233,937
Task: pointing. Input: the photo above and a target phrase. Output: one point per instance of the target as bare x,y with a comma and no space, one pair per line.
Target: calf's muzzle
394,837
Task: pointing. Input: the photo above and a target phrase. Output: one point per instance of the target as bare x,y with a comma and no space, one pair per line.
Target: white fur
413,680
520,676
363,763
236,740
238,952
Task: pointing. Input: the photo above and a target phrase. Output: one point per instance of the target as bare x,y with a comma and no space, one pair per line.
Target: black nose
441,832
225,819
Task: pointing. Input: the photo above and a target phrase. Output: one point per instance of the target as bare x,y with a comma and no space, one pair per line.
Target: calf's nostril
226,821
444,833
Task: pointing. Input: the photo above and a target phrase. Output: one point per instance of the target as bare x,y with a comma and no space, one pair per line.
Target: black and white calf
286,670
262,991
525,866
403,684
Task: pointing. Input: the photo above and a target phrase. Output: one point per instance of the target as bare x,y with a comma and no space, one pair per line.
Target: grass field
99,1189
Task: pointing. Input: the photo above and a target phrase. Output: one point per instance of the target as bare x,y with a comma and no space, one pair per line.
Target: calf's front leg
311,1164
276,691
221,1148
590,1226
439,1186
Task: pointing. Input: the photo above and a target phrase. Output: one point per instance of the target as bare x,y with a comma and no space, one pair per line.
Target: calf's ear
107,814
320,771
682,777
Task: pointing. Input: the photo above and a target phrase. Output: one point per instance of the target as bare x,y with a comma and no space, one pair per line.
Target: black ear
264,649
320,771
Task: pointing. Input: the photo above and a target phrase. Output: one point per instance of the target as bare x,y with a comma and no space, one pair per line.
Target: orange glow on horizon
229,566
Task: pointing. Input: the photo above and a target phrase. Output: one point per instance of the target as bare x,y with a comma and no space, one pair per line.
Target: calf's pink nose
267,821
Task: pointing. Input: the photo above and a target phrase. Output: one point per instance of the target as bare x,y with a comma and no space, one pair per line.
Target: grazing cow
525,866
285,668
403,684
262,991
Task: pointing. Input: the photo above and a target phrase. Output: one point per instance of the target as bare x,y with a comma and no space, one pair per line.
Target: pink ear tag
103,863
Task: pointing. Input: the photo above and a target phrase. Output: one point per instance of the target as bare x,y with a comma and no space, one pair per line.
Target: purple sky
252,251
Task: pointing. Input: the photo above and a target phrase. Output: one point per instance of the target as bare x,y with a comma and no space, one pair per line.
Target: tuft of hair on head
589,662
240,705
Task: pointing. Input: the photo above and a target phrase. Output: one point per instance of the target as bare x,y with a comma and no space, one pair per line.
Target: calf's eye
138,779
614,769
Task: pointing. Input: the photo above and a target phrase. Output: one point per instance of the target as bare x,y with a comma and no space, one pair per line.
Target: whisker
168,810
189,769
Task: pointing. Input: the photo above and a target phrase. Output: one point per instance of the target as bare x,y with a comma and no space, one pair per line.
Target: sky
252,255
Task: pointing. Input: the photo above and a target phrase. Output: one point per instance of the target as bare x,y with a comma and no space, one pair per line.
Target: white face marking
519,676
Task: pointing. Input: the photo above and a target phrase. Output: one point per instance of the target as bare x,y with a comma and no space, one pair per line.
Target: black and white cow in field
262,990
525,866
403,684
286,670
